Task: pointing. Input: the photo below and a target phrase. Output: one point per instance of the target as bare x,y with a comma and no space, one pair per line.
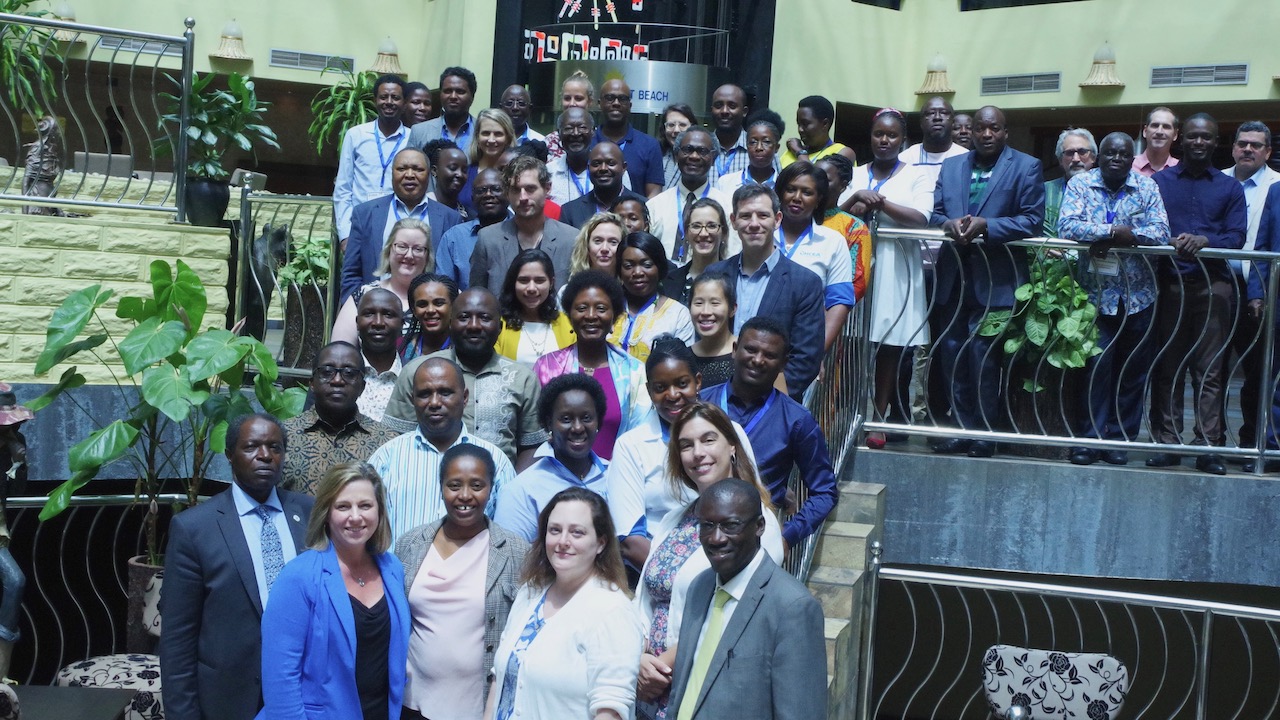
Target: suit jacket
578,212
771,657
309,661
369,225
1268,240
211,647
1012,205
501,579
795,298
498,246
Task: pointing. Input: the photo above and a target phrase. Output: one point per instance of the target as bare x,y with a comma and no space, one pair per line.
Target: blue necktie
272,553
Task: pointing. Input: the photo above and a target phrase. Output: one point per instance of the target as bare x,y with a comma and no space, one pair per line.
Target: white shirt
530,134
731,182
665,217
635,333
825,252
398,211
567,185
364,169
251,524
1255,195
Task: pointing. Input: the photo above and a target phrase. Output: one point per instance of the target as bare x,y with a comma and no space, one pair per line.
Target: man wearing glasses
515,103
1076,153
696,149
333,430
644,157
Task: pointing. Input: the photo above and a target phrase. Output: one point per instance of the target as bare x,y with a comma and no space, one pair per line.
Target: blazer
211,647
508,343
309,633
498,245
1268,240
501,578
369,225
1012,205
771,657
794,297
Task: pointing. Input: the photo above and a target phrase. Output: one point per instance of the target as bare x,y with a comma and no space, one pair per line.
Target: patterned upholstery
1053,685
151,604
8,703
133,672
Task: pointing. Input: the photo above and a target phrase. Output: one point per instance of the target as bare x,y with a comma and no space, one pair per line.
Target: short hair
580,259
721,279
706,202
732,489
335,480
684,110
799,169
562,384
409,223
337,344
507,302
460,72
579,77
493,115
1075,132
598,280
1130,143
669,347
520,166
1162,108
389,79
750,192
537,571
533,148
766,324
842,164
436,361
237,424
821,107
1203,117
585,112
644,207
1255,126
769,118
743,466
715,142
413,87
432,149
647,244
468,450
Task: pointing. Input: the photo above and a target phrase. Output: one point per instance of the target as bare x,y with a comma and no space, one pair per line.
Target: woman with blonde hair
494,136
575,91
597,244
405,255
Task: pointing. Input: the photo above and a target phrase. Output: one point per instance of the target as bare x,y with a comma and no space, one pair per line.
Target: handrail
56,24
35,501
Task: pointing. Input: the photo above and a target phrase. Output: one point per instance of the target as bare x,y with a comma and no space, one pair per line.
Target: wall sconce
1103,73
935,80
65,13
388,61
232,45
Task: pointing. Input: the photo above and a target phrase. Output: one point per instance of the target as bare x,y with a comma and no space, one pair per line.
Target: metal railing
927,632
931,342
102,85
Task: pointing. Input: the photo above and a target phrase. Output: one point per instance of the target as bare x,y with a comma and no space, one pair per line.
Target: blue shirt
751,289
364,169
786,437
643,156
453,257
251,524
1209,204
520,502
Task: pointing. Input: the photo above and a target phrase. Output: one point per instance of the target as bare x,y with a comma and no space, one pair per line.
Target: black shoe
953,446
1163,460
1083,456
1211,464
1115,457
1270,466
982,449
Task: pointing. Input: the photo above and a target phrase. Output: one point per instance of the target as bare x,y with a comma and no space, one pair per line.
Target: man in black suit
222,558
607,167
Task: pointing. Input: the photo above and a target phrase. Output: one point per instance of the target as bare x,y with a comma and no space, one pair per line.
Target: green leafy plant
24,72
342,106
188,383
1053,320
218,120
308,262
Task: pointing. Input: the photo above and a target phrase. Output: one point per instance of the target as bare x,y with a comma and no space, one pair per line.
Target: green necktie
702,661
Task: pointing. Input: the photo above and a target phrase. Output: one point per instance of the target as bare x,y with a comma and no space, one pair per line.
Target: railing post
1202,670
869,633
244,258
184,111
1268,384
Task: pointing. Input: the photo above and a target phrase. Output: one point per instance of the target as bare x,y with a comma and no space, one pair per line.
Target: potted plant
342,106
188,382
216,120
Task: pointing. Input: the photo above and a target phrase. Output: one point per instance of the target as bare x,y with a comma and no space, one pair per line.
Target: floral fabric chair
1051,685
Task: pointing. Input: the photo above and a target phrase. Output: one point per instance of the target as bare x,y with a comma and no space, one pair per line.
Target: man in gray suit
751,642
527,182
222,557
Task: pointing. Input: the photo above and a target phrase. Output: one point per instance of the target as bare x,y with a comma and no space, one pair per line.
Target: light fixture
388,62
1103,73
935,80
232,45
65,13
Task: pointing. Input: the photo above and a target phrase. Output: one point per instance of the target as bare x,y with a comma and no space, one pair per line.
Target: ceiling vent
310,61
149,47
1029,83
1194,75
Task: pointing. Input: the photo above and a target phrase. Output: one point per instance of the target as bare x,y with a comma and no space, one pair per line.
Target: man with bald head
607,167
962,130
516,103
371,222
936,117
644,157
453,256
729,111
985,198
410,464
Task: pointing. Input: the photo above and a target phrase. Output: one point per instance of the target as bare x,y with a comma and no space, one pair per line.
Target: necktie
702,661
690,199
272,553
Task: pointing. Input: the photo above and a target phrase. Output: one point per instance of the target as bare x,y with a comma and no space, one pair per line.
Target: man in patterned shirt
379,319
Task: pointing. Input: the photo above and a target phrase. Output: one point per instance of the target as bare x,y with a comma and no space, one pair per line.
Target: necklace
539,343
359,581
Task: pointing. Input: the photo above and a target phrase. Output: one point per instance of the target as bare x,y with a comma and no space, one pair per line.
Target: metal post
1202,671
184,112
869,633
1263,418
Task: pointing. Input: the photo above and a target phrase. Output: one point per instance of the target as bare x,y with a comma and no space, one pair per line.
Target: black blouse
715,370
373,640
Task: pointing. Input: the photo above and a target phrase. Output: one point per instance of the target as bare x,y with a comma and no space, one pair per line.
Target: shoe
875,440
1211,464
1270,466
1163,460
982,449
1115,457
953,446
1083,456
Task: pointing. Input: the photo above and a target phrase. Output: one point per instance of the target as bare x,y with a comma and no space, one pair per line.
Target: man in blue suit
1259,279
987,197
371,221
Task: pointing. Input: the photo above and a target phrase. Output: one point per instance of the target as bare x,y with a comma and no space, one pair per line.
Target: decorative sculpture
13,465
43,165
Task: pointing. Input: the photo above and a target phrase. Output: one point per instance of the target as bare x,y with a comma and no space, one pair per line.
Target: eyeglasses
1249,144
478,190
615,98
728,527
705,227
1078,152
515,104
327,373
761,143
414,250
697,150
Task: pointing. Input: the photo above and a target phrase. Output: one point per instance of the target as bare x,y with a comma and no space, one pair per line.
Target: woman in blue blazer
335,630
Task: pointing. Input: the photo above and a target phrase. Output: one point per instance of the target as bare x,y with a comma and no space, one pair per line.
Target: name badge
1109,266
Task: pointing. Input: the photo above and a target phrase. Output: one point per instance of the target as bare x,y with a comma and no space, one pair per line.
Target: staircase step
844,545
860,503
838,590
834,631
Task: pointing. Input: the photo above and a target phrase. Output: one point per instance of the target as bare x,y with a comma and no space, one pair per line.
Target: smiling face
755,222
705,234
632,214
962,131
591,314
800,199
379,319
257,457
694,157
571,540
451,172
465,485
576,131
730,530
533,286
353,517
762,143
1077,156
607,166
638,274
573,93
705,454
492,138
439,397
455,96
432,307
615,102
390,101
1160,132
758,358
409,253
673,124
886,137
602,246
487,195
409,176
574,425
334,393
1199,140
476,324
673,386
1250,151
711,311
417,107
1116,159
515,101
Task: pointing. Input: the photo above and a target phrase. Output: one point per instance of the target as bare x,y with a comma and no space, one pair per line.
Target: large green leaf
1069,327
1037,328
135,308
170,391
149,343
48,359
188,293
60,498
212,352
71,317
102,446
70,379
260,356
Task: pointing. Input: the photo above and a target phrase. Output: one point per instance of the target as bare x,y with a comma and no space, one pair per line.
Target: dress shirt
578,212
751,289
364,169
520,501
1143,165
643,156
1255,195
410,470
736,587
251,524
785,438
435,129
453,257
313,449
825,252
1085,206
566,185
398,210
666,210
530,134
1209,204
377,388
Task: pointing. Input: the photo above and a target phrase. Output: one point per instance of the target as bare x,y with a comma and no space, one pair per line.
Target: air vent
310,61
1030,83
142,46
1191,75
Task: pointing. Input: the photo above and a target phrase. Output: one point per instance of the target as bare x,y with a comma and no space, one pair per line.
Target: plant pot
304,325
143,626
1045,412
207,201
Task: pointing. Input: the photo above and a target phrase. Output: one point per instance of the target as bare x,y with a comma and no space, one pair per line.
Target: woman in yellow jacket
532,324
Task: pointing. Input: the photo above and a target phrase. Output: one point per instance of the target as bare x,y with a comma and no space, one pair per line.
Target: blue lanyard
871,178
665,429
386,161
396,211
755,419
574,177
782,241
684,246
722,166
748,180
1114,206
631,322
